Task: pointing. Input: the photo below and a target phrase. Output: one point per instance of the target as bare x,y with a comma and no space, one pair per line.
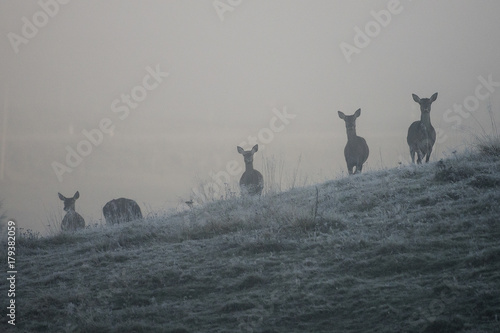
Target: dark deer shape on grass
251,182
121,210
421,134
356,150
72,220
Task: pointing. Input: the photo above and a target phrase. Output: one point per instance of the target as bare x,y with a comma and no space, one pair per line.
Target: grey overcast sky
277,70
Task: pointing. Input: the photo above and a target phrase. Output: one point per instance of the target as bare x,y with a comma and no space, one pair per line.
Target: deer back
121,210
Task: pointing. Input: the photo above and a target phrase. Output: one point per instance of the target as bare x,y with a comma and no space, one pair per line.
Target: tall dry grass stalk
208,191
278,178
488,142
272,169
489,146
52,223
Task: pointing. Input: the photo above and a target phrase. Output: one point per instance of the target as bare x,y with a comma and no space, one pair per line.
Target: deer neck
425,118
351,133
249,167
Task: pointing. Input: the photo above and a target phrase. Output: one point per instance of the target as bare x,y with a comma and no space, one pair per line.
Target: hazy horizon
235,70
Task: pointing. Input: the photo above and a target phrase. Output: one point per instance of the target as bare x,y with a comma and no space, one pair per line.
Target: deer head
425,103
69,203
248,154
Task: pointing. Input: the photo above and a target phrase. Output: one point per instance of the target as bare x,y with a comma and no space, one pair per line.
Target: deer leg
428,155
412,155
350,169
419,156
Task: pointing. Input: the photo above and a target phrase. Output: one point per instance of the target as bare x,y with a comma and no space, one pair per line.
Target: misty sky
174,86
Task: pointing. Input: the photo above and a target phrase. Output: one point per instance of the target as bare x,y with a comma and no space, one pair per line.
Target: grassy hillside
414,249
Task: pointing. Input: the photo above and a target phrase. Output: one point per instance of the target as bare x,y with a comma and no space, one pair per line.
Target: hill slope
415,249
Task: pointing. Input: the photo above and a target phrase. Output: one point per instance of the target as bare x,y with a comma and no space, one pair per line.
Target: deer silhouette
121,210
356,150
72,220
251,182
421,135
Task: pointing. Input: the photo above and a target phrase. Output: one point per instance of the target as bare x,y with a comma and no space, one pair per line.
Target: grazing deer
72,220
356,150
251,182
421,134
121,210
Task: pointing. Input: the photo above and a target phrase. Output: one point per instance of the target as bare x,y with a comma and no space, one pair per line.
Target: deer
72,220
251,182
421,135
121,210
356,150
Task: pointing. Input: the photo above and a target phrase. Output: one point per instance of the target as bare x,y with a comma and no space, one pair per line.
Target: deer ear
77,195
240,150
255,148
341,115
416,98
61,196
434,97
357,113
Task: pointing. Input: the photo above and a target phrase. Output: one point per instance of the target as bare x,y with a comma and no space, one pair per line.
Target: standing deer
421,134
251,182
121,210
72,220
356,150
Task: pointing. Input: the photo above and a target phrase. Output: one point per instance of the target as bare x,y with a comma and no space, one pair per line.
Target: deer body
421,135
251,182
356,150
72,220
121,210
